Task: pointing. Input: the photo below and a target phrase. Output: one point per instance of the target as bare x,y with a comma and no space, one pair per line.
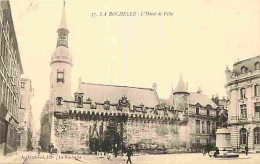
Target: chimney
155,87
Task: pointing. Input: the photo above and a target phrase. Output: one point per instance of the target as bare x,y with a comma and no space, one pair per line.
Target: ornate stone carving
106,105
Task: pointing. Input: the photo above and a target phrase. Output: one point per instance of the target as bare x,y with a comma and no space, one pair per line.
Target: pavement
13,158
44,158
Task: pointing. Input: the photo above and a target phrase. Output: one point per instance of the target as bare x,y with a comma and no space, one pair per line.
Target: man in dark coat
124,151
216,152
246,149
129,154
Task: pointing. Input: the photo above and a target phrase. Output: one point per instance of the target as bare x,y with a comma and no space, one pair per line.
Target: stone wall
73,136
149,134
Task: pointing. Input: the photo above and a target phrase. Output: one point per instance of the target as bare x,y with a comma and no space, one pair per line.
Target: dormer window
208,112
257,66
197,110
79,100
243,69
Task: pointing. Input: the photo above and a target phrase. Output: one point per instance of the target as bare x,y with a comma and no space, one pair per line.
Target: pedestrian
49,148
204,152
216,152
109,154
124,151
246,149
39,149
115,150
129,154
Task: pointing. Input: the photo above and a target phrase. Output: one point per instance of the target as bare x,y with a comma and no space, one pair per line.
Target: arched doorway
243,137
112,139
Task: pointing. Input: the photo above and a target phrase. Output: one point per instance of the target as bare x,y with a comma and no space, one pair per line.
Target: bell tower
61,64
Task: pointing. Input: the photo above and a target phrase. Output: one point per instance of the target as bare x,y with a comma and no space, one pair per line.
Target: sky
199,40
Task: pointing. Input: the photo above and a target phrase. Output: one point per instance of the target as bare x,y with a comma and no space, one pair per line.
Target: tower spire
63,22
181,88
63,29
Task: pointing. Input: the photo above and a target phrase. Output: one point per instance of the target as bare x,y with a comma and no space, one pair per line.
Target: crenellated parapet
106,108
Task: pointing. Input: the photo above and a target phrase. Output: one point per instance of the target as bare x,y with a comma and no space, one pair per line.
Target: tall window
22,102
243,111
197,110
257,135
257,110
208,127
208,112
213,127
197,126
197,142
242,93
18,140
257,90
257,66
203,127
243,136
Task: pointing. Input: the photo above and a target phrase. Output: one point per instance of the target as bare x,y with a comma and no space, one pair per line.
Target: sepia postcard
120,81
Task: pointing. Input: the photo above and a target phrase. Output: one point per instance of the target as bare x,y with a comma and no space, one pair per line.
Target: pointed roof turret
181,87
63,22
80,86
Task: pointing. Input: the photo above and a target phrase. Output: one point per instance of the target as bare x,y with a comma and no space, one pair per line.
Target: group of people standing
126,151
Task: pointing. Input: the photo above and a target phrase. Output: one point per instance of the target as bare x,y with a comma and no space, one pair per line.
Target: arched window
243,69
79,101
257,135
243,136
257,66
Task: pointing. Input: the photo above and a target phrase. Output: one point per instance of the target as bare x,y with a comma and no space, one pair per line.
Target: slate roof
203,100
248,63
137,96
181,87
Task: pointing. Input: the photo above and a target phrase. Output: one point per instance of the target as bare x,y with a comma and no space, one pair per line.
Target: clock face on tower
60,77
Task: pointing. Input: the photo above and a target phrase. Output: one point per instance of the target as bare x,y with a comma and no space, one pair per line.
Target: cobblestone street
137,159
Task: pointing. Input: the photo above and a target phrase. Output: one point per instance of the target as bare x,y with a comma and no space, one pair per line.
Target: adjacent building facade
198,117
243,94
10,75
26,126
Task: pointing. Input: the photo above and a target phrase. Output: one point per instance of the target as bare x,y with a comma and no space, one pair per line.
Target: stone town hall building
105,116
